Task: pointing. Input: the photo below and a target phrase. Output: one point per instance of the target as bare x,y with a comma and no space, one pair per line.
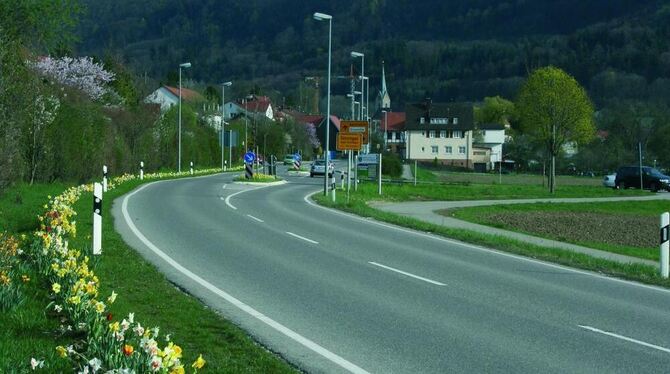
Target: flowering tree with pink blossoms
82,73
311,134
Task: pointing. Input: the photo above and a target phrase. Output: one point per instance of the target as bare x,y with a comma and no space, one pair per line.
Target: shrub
391,165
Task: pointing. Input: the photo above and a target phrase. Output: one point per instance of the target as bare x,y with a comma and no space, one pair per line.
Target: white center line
406,273
255,219
302,237
224,187
666,350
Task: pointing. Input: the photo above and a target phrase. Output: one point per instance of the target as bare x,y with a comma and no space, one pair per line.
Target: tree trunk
552,186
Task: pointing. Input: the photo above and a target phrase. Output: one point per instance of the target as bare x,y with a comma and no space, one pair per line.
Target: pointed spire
383,92
385,99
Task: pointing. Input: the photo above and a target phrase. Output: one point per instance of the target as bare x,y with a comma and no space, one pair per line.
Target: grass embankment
257,178
625,227
367,192
423,175
142,289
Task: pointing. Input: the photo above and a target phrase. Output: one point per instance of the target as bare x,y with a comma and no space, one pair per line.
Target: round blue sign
297,157
249,157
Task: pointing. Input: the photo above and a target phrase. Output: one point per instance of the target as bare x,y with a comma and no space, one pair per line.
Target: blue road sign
297,157
249,157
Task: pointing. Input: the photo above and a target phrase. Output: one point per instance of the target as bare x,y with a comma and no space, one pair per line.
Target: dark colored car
652,179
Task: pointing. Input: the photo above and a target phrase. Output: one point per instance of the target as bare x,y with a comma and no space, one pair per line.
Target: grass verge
143,290
637,272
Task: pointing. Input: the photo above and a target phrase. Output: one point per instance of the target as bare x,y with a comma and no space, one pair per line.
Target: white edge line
239,192
307,343
483,249
301,237
406,273
593,329
255,219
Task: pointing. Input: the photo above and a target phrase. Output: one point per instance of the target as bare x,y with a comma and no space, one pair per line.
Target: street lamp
362,56
185,65
223,120
329,18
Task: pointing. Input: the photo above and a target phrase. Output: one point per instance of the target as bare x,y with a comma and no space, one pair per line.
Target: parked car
652,179
288,160
319,168
610,180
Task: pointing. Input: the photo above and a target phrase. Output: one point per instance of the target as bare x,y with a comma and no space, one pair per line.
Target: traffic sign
370,158
249,157
349,142
355,127
297,157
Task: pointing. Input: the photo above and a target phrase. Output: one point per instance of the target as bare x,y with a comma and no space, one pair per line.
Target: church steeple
383,94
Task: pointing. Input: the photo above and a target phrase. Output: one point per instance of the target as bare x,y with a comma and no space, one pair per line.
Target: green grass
143,290
358,205
470,191
424,175
513,178
653,208
21,204
257,178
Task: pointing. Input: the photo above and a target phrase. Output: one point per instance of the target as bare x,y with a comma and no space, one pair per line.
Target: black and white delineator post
191,167
97,219
665,255
141,170
379,173
104,178
332,183
296,163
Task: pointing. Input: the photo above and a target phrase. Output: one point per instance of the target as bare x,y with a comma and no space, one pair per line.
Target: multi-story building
440,131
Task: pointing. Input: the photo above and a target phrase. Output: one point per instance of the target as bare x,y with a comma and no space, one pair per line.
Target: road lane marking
239,192
255,219
372,221
305,342
406,273
224,187
593,329
301,237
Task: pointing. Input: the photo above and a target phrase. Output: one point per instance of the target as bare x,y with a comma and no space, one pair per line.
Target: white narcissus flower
131,317
156,363
95,364
58,308
125,325
139,330
34,364
155,331
112,298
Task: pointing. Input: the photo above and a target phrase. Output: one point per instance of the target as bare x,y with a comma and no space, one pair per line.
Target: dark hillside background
450,50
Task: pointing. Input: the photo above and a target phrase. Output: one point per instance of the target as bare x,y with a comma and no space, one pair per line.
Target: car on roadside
319,168
610,180
652,179
288,160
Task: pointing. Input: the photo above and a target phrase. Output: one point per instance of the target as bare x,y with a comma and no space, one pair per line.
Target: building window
484,132
458,134
455,120
447,149
443,134
423,149
461,150
432,133
433,148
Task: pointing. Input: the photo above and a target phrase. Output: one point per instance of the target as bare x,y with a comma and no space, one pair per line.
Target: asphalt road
337,293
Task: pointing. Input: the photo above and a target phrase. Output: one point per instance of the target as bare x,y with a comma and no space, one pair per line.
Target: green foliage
495,110
391,165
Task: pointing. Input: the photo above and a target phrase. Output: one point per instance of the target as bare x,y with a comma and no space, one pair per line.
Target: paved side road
426,211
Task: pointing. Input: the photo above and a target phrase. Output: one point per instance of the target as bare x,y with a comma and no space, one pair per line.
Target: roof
396,121
427,109
186,94
491,126
334,119
258,104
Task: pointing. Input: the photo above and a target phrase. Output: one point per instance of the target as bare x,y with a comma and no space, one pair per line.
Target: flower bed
100,343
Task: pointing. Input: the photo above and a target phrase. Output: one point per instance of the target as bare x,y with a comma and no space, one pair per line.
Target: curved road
337,293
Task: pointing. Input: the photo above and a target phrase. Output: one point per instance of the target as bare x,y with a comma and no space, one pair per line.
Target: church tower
384,99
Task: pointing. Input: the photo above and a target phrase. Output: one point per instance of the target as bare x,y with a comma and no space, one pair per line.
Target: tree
495,110
554,110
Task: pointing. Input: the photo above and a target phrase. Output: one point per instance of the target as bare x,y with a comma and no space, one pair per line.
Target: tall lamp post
329,18
362,56
386,123
223,120
185,65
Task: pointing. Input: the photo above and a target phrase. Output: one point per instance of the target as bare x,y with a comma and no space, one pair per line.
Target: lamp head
185,65
357,54
227,84
322,17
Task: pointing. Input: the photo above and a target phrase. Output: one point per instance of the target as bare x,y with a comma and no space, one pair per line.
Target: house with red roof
252,106
166,96
394,131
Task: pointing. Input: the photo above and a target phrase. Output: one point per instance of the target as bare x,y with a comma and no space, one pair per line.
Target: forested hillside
450,50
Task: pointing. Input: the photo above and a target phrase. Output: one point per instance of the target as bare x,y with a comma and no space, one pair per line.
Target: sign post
379,174
249,158
104,178
665,255
97,218
141,170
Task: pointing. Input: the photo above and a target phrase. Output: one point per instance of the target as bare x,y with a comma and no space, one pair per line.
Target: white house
440,131
493,138
166,96
252,106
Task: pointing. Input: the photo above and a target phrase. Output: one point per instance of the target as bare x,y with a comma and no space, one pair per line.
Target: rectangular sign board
355,127
349,142
372,171
370,158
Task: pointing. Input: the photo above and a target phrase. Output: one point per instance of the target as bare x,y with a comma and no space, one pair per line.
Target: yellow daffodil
99,307
74,300
62,352
114,326
177,370
112,298
55,287
25,278
199,363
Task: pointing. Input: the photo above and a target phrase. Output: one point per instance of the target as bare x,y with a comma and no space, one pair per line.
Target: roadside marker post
332,183
297,161
379,174
141,170
665,253
191,167
249,158
104,178
342,180
415,172
97,218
